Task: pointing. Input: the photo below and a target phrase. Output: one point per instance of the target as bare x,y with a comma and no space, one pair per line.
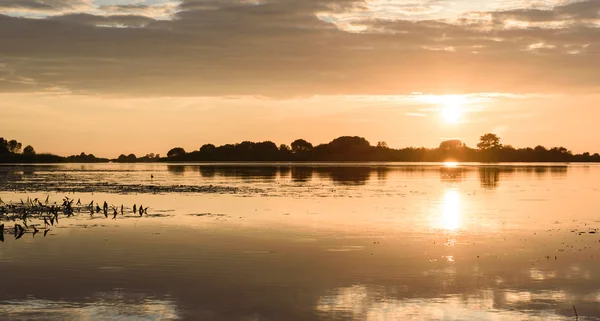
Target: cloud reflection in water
103,306
360,302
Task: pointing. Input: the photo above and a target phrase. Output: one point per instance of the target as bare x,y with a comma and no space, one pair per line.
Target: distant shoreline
341,149
317,163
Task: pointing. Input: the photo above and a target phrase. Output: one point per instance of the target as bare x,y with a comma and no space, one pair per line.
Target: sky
129,76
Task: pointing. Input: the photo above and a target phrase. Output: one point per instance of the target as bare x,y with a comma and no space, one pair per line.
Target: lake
346,241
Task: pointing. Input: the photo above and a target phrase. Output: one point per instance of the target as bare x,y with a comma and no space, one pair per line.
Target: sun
452,109
451,113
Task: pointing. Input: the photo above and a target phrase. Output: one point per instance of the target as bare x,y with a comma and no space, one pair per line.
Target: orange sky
120,76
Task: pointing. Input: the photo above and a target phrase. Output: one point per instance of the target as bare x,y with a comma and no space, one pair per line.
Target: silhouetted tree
451,145
489,142
560,150
131,158
14,146
207,148
452,150
382,144
28,150
301,146
346,148
265,150
83,158
176,152
349,143
150,157
3,146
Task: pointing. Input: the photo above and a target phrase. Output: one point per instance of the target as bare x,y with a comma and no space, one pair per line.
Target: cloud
289,48
124,21
43,5
49,8
586,10
164,11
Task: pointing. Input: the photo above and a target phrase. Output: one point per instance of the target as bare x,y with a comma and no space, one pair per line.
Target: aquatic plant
32,213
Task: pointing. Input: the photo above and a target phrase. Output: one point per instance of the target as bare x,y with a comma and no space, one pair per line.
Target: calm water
308,242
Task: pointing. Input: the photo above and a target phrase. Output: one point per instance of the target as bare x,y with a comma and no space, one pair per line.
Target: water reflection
361,302
176,169
284,172
28,170
301,174
361,174
489,177
451,211
390,257
399,269
62,177
447,215
349,175
115,305
241,172
382,173
453,174
207,171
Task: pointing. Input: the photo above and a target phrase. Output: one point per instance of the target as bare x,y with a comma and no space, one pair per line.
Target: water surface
308,242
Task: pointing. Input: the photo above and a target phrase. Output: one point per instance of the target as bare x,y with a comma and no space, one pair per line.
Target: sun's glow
451,113
452,108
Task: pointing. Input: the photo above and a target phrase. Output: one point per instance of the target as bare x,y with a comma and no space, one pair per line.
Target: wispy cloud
50,8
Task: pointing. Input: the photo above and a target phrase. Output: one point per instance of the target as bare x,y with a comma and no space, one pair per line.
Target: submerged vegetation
33,216
346,148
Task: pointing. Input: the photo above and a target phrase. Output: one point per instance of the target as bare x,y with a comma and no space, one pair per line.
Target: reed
32,214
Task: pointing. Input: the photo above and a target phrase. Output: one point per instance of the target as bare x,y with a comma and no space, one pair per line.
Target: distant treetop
176,152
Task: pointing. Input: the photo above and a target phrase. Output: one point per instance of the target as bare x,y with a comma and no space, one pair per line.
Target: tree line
354,148
10,152
345,148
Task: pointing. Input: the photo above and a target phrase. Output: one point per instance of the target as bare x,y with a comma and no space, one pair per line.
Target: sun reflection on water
450,164
451,211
